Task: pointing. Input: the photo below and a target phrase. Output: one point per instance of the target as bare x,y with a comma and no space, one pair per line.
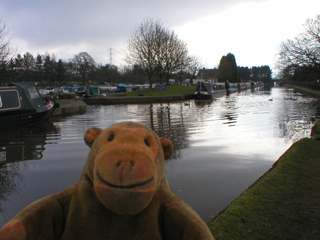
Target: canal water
221,146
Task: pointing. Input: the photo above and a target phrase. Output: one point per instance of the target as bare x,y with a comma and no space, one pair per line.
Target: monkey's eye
147,142
111,137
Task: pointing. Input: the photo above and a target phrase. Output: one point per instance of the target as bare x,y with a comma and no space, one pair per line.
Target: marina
221,146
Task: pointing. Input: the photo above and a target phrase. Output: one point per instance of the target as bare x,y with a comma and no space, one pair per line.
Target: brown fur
121,194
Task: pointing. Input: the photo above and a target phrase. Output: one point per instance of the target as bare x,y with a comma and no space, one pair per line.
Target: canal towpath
283,204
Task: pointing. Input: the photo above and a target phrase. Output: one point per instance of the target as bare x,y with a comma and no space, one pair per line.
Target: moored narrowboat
21,103
206,90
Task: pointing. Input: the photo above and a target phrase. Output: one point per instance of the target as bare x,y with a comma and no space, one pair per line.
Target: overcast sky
251,30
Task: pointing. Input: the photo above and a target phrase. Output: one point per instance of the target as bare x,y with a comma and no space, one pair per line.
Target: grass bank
63,102
283,204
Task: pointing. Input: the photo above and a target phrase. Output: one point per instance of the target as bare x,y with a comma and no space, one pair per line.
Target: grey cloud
54,23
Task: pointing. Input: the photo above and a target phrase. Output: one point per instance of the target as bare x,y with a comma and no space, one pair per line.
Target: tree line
82,69
229,71
155,54
47,71
299,58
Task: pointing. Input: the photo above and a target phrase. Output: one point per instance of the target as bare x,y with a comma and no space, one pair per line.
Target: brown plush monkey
122,194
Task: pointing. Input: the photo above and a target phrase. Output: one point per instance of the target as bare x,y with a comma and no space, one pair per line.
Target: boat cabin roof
18,96
204,86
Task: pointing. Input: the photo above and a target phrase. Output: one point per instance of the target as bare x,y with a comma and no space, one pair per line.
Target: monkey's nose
121,163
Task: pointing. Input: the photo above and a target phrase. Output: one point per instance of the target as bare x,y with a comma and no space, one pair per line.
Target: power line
110,55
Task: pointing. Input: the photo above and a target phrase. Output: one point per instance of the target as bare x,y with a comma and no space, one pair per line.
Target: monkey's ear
91,135
167,147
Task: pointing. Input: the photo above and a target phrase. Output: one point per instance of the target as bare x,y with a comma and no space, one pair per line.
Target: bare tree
173,55
141,48
155,50
304,50
195,64
84,65
5,41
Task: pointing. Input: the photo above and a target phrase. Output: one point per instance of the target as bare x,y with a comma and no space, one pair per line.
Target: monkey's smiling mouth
122,186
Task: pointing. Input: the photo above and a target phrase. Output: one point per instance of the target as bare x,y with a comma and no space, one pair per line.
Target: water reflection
19,144
221,146
9,180
294,117
25,143
169,122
